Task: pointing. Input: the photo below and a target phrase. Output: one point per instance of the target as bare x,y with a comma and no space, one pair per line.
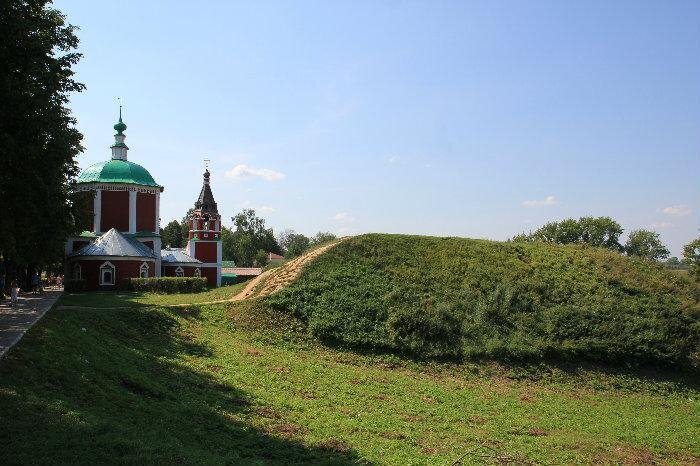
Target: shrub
74,285
432,331
166,284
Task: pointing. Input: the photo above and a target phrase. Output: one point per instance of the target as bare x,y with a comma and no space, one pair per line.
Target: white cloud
266,209
661,225
241,172
393,158
547,201
679,210
343,217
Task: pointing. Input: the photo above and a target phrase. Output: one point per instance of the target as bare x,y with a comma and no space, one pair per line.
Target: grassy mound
454,297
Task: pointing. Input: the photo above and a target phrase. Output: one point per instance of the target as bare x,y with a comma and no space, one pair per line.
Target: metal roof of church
177,255
117,171
205,202
113,243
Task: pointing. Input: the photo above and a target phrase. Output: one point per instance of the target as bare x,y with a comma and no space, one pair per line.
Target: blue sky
477,119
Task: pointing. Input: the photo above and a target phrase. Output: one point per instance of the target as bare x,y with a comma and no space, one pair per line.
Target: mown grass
457,298
106,299
241,384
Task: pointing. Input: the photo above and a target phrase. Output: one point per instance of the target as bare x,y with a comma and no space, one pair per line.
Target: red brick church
125,238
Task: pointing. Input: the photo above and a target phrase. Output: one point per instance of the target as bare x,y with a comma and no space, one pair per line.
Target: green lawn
103,299
240,384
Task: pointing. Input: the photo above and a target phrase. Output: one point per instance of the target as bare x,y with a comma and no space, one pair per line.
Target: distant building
273,258
124,241
234,274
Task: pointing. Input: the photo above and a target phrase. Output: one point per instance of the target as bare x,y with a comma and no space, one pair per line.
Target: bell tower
204,239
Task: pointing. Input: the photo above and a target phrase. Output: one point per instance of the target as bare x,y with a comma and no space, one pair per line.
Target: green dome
117,171
120,126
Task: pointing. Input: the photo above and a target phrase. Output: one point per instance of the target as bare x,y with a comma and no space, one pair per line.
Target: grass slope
240,384
460,297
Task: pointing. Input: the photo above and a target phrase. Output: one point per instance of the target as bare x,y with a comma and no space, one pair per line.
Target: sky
463,118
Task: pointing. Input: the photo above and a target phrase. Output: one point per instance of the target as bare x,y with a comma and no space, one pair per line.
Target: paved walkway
15,321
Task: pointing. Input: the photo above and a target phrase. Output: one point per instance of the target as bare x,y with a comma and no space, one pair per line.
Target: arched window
179,272
143,271
107,274
197,272
77,272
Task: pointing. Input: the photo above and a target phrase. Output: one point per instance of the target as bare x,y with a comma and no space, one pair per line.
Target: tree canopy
249,241
646,244
691,256
37,133
595,231
171,236
292,243
323,237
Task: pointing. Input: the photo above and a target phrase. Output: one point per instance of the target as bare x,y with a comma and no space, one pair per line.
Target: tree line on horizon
604,232
250,241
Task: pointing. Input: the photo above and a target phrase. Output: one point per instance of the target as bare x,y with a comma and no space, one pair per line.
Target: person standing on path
35,282
14,291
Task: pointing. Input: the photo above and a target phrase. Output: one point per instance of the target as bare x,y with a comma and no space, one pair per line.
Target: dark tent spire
206,202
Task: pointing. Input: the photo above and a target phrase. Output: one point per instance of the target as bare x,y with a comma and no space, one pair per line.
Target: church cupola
119,149
205,202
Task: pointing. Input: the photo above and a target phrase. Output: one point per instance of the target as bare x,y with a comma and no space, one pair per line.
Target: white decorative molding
179,272
108,267
118,187
143,270
157,248
158,212
97,212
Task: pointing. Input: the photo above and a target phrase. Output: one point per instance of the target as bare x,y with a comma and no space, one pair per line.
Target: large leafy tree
292,243
691,256
38,138
171,236
227,244
646,244
323,237
596,231
249,238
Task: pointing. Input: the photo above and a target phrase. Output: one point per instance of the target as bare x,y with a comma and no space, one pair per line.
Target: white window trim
114,272
179,272
198,272
143,267
79,269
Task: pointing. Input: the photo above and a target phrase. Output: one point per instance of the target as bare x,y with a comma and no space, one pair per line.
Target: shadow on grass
105,387
103,299
594,374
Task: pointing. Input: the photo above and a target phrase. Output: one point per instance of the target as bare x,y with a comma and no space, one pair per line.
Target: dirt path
264,284
274,280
